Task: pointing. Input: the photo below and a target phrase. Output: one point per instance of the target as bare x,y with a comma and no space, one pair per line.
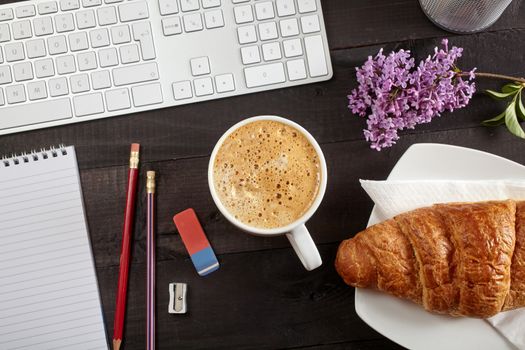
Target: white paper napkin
395,197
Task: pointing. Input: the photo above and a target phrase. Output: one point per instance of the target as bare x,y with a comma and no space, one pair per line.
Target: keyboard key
310,24
315,54
189,5
101,80
2,100
88,104
64,23
271,51
224,83
285,8
107,15
171,26
99,37
296,69
5,33
133,11
250,54
264,10
214,19
86,19
129,53
243,14
6,14
211,3
66,64
22,29
5,75
112,1
36,48
44,68
91,3
145,95
57,45
43,26
34,113
117,99
264,75
292,48
78,41
246,34
37,90
135,74
289,27
87,61
142,33
200,66
182,90
203,86
25,11
58,87
192,22
168,7
67,5
108,57
15,94
306,6
45,8
120,34
1,56
79,83
268,31
14,52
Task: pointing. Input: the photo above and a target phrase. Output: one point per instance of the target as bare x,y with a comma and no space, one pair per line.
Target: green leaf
511,120
520,109
511,88
500,95
496,121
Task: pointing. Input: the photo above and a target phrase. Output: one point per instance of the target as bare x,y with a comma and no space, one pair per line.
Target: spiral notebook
49,297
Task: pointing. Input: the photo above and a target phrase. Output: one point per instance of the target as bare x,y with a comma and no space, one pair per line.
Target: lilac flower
395,95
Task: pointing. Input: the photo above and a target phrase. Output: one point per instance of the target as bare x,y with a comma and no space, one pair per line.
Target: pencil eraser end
135,147
196,243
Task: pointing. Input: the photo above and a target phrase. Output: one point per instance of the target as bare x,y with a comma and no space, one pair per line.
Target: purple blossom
395,95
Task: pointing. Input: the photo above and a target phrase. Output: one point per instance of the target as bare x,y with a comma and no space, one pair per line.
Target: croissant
461,259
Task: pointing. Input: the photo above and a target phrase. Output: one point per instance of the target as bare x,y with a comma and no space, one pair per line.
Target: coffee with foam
267,174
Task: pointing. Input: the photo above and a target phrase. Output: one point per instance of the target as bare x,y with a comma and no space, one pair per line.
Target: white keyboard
69,61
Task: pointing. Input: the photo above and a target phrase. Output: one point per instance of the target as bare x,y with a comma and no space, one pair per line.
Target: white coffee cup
296,232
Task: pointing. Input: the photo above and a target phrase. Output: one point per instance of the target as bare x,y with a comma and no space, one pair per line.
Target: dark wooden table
262,297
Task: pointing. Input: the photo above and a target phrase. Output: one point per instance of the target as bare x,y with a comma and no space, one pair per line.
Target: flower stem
494,76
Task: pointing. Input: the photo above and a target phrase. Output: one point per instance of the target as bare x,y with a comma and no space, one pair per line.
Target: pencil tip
116,344
135,147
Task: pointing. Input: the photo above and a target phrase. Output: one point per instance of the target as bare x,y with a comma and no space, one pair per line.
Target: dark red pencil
129,215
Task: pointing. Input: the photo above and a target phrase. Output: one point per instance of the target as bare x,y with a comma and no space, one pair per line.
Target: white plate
409,324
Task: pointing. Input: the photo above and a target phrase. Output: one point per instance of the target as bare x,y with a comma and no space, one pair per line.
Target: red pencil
129,215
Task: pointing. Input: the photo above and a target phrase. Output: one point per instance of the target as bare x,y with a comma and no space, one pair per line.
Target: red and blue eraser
195,241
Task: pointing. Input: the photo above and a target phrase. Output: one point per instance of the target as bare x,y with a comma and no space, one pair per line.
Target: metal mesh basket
464,16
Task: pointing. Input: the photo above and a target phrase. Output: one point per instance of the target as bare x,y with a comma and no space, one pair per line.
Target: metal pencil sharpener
177,303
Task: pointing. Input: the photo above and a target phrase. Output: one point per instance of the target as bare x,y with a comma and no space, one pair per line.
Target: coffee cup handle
305,247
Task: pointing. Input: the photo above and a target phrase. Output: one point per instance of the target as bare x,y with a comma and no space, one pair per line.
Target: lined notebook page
49,296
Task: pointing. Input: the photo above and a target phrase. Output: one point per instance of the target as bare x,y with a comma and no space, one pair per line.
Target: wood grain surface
262,297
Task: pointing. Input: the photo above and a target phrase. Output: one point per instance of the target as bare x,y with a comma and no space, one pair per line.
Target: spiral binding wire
33,156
